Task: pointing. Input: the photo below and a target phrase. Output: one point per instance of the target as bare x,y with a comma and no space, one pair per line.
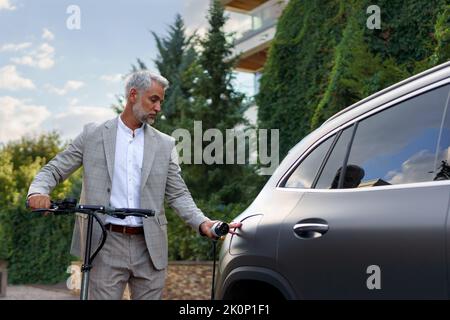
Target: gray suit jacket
94,149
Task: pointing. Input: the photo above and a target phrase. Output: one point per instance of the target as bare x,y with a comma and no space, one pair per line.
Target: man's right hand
39,201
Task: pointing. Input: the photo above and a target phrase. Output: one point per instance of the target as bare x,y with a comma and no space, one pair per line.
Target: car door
374,226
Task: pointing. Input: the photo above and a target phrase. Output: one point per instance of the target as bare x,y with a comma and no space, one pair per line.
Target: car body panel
392,227
402,229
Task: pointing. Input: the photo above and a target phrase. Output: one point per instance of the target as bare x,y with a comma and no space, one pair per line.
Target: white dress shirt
126,182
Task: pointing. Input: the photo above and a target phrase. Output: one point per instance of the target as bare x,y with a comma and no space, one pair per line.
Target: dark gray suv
358,209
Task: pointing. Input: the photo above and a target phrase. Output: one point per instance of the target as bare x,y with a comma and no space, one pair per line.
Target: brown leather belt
125,229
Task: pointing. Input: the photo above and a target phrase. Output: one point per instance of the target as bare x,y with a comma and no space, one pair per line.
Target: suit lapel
150,147
109,142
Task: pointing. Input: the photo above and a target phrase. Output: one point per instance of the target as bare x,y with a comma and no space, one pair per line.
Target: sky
62,62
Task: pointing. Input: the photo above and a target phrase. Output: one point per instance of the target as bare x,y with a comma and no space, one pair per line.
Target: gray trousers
125,259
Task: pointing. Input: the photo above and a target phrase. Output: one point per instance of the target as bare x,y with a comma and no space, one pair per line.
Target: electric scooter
70,206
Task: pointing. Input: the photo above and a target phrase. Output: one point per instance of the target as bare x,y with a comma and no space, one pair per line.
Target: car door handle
310,230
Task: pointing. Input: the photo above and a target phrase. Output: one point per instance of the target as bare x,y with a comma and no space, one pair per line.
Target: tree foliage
323,58
220,190
36,247
217,104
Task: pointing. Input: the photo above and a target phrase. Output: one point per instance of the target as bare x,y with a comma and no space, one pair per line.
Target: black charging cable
218,229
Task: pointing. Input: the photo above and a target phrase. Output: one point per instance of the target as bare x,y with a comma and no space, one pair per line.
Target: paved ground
38,293
185,281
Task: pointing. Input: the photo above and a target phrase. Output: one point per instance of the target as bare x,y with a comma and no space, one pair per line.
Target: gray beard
141,116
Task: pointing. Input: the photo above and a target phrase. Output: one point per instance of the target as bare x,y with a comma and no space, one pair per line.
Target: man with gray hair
126,163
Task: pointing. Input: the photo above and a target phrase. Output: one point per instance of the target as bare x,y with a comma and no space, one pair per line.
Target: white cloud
194,16
47,35
18,118
42,58
6,5
70,123
421,166
24,60
15,46
11,80
70,85
113,78
45,56
418,167
73,101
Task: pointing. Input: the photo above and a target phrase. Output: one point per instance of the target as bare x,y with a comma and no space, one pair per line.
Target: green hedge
38,246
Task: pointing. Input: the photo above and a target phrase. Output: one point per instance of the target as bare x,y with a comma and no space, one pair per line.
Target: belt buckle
124,229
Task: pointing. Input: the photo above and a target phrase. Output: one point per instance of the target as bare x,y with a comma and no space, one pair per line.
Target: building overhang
242,6
253,51
252,63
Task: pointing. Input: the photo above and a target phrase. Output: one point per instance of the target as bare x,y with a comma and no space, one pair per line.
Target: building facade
254,24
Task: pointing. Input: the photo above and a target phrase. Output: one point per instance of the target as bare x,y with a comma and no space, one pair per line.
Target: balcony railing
257,20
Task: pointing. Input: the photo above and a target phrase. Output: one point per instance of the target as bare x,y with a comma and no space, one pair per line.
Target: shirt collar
127,130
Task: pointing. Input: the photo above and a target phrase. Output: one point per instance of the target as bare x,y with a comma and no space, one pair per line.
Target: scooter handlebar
70,206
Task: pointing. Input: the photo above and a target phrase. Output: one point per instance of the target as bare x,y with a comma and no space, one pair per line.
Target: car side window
329,177
443,154
306,171
399,144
